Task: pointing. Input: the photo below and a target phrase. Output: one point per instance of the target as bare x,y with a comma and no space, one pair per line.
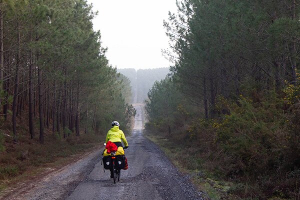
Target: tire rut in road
170,183
88,169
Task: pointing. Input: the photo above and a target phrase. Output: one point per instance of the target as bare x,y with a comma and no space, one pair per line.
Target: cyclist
116,135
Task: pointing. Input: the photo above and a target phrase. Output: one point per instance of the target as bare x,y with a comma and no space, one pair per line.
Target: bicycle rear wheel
119,174
115,173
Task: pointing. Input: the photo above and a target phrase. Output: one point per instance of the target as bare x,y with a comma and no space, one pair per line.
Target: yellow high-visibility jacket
116,135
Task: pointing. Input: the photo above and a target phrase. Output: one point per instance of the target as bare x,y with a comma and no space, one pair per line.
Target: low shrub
255,144
8,172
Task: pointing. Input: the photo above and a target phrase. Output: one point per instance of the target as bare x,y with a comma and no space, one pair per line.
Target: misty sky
133,31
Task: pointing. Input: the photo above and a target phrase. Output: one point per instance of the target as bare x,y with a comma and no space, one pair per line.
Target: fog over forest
142,80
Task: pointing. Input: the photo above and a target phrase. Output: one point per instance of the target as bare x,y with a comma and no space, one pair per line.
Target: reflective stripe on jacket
116,135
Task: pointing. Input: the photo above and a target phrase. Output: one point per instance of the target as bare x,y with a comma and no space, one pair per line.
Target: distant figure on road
116,136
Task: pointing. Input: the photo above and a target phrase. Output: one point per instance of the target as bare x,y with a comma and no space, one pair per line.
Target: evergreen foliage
235,85
54,69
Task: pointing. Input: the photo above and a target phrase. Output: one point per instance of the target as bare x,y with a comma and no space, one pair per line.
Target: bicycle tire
119,174
115,174
115,177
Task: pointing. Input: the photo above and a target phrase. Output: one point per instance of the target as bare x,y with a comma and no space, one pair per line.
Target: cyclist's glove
126,147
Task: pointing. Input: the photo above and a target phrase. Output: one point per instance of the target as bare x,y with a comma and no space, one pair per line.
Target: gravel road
151,176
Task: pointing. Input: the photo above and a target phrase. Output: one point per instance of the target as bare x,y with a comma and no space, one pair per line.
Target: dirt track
150,176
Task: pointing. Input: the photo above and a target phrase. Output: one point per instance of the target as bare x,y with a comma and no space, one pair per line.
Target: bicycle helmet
115,123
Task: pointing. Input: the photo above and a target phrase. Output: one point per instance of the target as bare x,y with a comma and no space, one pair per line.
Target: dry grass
28,159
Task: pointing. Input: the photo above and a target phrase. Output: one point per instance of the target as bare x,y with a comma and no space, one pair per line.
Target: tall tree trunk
77,111
30,111
71,109
205,98
48,107
293,61
34,103
64,106
41,105
20,103
1,49
58,114
6,88
95,123
54,108
15,98
87,118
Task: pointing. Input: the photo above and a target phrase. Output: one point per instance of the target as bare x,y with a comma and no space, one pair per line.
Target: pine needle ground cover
27,159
